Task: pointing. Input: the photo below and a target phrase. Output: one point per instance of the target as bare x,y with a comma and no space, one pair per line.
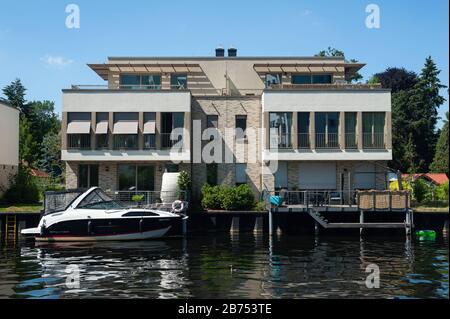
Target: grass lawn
20,208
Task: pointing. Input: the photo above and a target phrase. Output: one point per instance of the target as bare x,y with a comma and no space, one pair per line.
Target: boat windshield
97,199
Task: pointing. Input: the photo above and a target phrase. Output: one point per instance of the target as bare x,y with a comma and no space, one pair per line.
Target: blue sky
36,46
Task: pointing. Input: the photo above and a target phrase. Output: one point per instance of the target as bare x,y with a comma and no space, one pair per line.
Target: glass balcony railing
168,140
79,141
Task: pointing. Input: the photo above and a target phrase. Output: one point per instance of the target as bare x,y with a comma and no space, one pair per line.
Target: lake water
220,265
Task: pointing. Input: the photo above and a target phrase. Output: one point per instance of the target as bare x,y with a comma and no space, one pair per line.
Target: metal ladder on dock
325,224
11,228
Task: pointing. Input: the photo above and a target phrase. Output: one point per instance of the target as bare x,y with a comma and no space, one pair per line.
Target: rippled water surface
226,266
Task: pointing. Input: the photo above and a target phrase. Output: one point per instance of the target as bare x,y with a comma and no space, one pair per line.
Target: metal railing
304,141
126,142
327,140
317,198
281,141
149,141
168,140
373,140
351,141
79,141
148,199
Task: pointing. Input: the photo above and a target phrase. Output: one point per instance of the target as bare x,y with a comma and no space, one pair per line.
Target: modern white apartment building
9,144
323,132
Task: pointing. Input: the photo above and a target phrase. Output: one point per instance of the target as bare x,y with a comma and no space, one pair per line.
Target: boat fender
89,228
141,224
178,206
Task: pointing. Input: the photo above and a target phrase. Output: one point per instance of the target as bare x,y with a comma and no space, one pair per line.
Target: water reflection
228,266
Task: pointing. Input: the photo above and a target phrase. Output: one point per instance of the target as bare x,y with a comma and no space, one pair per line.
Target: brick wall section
226,108
71,175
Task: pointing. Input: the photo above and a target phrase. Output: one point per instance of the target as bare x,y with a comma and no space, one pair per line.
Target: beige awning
79,127
101,128
149,127
125,127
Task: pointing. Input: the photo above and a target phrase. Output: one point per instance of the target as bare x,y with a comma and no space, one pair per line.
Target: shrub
228,198
260,207
421,191
184,181
442,192
23,189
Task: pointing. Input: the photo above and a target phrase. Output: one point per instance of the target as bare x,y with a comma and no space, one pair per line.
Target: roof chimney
232,52
220,52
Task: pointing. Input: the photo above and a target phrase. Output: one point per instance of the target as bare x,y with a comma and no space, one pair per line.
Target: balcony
327,140
168,140
79,141
126,142
351,141
281,141
304,141
373,141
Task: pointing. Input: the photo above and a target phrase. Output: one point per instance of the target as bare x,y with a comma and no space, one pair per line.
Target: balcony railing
126,142
281,141
79,141
303,141
168,140
327,140
149,141
351,141
373,141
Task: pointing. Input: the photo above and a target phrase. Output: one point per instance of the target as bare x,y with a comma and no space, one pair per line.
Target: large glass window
327,126
241,126
350,130
311,78
273,79
211,174
241,174
137,81
87,175
373,129
136,177
303,129
169,122
178,81
280,125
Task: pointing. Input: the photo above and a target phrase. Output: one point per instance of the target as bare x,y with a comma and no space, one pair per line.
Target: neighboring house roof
38,173
435,178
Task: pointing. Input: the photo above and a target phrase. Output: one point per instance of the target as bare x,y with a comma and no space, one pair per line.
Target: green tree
51,155
396,79
440,161
26,141
15,94
332,52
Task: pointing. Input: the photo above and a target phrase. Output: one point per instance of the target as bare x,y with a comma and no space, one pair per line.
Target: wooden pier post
234,224
445,228
361,221
408,223
270,222
22,225
184,222
258,225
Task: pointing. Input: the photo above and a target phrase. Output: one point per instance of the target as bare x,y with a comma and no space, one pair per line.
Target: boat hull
123,229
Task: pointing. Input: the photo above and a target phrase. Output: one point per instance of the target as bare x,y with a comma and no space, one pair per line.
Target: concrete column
258,225
294,129
265,126
388,130
110,130
359,130
312,130
64,131
158,130
93,126
342,130
235,224
141,131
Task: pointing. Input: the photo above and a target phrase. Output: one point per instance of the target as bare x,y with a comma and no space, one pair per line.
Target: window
172,168
327,125
373,129
126,130
87,176
211,174
170,122
212,121
136,177
79,141
241,174
137,82
273,79
350,130
303,129
102,141
79,130
149,130
280,125
241,126
101,130
311,78
178,81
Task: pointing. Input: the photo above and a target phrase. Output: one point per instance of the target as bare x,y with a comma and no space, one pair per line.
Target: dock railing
316,198
148,199
375,200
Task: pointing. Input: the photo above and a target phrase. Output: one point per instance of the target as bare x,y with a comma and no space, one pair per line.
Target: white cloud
56,61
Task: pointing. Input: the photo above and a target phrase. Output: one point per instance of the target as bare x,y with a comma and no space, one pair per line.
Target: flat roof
6,103
131,58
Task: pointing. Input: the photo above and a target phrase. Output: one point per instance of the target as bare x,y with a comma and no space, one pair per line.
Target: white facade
9,144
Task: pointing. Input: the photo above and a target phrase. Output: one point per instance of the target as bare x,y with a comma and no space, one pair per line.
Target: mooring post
214,221
258,225
234,224
22,225
316,228
445,228
270,222
408,223
361,221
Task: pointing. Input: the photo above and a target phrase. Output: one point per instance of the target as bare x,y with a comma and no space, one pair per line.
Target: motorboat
93,215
